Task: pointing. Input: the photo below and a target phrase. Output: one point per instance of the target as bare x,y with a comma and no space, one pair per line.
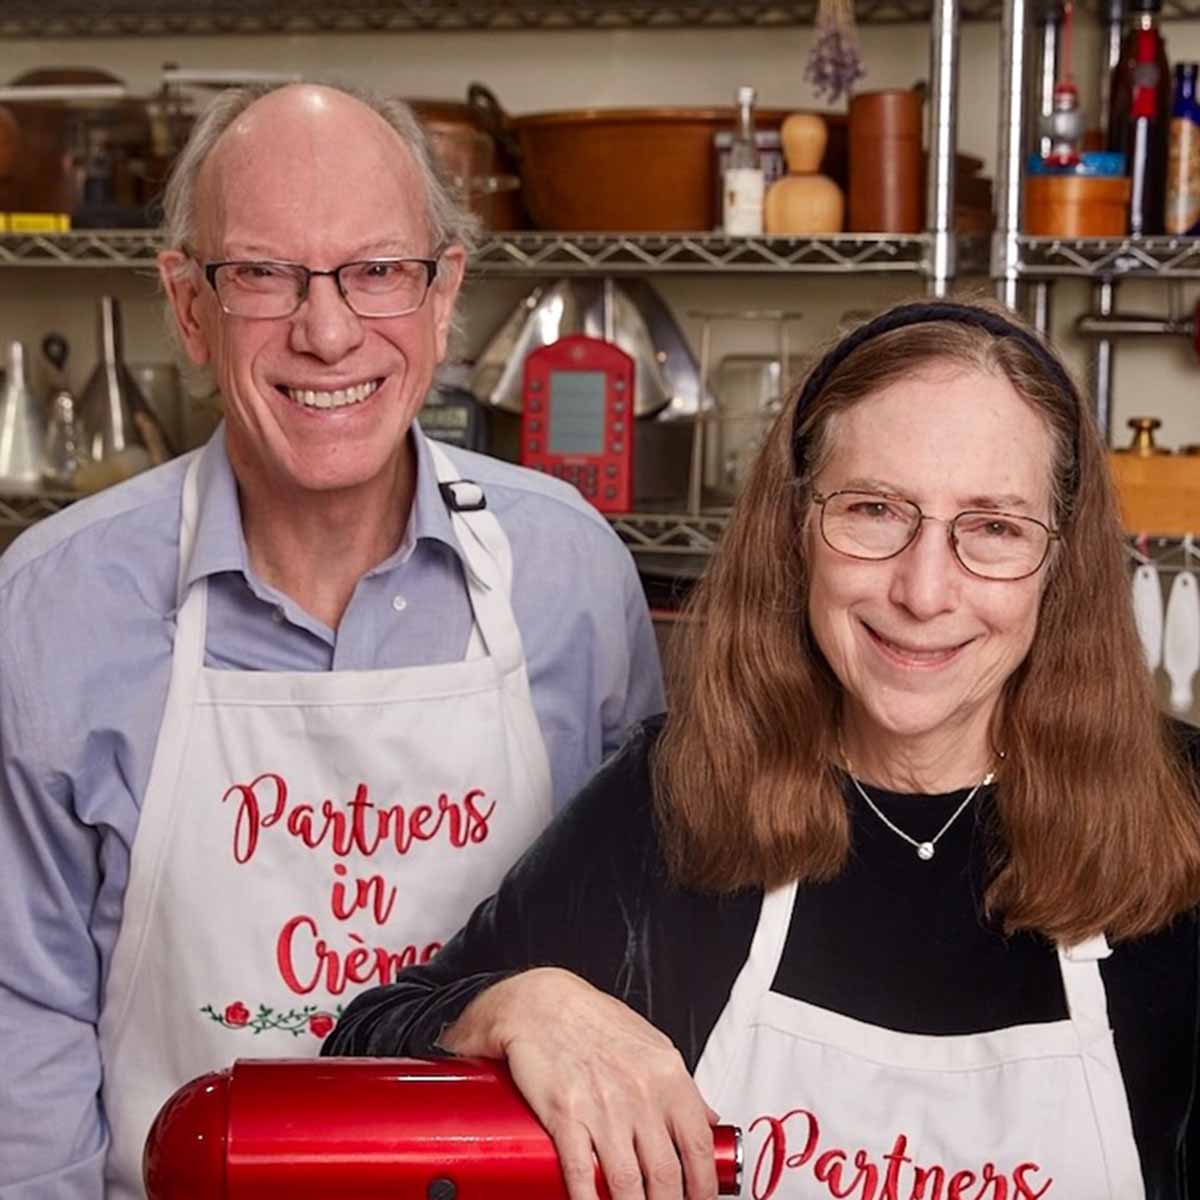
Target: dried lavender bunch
835,60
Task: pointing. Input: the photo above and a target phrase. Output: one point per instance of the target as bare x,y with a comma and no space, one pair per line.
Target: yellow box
1160,493
23,222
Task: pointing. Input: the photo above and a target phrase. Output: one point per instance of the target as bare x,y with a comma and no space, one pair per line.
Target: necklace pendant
925,851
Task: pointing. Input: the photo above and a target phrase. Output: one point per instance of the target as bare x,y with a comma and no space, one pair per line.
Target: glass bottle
1182,214
1140,113
743,180
22,447
66,443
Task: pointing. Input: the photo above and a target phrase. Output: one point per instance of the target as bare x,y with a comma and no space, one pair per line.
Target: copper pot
471,151
59,142
626,169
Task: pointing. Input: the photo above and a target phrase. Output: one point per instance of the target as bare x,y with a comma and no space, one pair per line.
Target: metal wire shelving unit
170,18
935,256
1026,268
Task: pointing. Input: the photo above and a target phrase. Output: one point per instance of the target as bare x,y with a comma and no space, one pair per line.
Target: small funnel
22,437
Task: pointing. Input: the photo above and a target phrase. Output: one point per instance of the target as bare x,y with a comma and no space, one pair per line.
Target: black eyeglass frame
1052,535
210,270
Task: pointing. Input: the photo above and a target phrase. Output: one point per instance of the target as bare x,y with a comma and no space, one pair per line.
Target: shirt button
277,615
399,603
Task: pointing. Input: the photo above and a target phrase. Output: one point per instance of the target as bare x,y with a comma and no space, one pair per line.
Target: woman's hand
599,1077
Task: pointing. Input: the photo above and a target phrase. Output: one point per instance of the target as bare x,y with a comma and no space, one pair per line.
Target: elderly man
276,715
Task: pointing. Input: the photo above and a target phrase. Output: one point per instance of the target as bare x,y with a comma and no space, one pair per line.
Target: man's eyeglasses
373,287
992,545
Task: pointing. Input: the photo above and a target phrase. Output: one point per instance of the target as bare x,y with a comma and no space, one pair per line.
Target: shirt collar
221,543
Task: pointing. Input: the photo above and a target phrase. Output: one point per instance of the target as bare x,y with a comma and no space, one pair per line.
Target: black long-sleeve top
893,941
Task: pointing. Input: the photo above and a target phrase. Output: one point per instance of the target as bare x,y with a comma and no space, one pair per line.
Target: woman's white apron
834,1107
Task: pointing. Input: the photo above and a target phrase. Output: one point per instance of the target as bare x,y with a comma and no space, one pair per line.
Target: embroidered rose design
237,1014
311,1020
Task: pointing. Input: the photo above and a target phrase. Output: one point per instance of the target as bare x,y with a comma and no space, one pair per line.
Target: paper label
743,216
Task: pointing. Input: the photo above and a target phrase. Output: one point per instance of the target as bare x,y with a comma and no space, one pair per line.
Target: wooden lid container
1076,205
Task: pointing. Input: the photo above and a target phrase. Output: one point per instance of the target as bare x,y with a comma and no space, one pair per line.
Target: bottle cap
746,94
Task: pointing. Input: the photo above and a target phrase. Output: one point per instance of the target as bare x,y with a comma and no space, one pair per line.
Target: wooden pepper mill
803,201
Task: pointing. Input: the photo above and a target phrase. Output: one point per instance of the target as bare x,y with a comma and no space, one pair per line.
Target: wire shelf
170,18
1099,258
85,248
568,253
21,511
644,533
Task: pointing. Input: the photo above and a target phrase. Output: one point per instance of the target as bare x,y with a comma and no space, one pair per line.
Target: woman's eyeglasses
992,545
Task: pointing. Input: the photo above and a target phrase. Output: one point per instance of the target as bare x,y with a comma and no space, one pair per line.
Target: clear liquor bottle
743,180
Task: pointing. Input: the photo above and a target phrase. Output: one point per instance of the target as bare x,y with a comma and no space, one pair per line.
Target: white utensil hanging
1148,613
1181,639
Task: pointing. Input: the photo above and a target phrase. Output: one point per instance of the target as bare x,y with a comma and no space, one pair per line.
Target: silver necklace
925,850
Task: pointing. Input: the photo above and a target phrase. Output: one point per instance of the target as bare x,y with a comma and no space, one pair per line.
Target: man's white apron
303,835
834,1107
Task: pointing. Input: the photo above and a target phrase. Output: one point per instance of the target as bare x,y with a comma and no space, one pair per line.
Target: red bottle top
1144,101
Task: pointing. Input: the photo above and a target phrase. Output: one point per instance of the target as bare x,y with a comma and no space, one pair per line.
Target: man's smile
339,398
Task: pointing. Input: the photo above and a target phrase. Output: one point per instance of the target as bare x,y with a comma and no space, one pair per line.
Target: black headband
921,313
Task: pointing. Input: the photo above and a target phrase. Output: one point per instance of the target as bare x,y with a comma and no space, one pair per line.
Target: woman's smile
909,654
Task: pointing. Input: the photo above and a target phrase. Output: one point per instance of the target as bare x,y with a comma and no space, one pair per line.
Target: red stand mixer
364,1129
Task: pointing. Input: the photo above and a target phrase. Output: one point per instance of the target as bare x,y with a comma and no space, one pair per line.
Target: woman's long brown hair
1098,819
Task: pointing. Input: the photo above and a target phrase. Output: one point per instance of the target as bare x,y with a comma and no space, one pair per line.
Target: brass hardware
1143,443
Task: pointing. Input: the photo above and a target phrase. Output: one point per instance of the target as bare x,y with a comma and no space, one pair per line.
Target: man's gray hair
449,221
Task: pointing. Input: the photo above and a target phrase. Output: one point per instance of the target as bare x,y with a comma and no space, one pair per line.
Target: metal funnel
627,312
116,416
22,432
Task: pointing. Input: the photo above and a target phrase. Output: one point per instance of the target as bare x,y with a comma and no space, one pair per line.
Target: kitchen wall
535,71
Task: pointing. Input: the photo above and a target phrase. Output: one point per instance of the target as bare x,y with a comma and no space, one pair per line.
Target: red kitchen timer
577,418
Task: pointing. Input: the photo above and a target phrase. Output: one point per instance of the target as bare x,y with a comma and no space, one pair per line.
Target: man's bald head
305,114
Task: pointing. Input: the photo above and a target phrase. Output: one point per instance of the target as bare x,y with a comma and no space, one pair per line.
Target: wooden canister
1077,205
885,162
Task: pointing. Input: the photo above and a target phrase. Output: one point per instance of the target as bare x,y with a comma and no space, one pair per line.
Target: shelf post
943,124
1100,365
1005,248
1042,313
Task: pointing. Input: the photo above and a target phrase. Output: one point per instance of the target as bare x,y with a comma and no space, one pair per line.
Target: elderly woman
905,883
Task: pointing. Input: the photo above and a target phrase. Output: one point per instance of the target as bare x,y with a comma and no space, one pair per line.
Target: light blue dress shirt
87,603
